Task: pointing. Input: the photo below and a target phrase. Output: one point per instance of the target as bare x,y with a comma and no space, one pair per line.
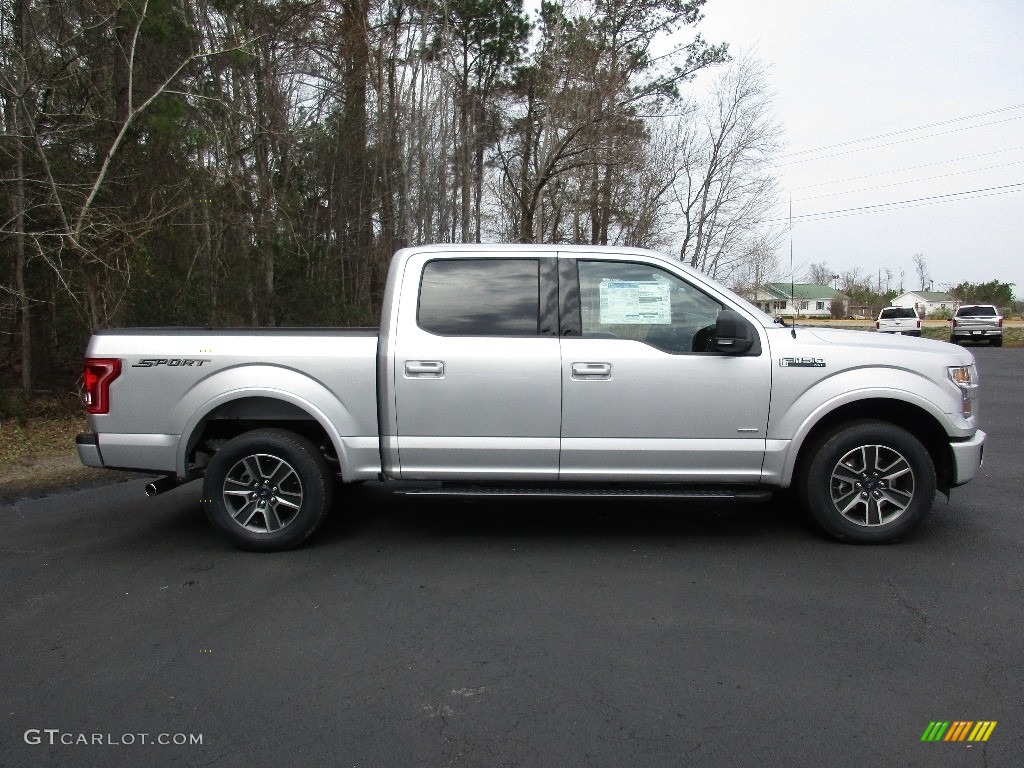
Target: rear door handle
424,369
591,371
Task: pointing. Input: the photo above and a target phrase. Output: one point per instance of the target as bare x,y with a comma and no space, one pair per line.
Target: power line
903,141
896,205
909,168
906,130
909,181
900,207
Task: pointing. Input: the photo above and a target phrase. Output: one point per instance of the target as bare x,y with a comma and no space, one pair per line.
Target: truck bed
172,381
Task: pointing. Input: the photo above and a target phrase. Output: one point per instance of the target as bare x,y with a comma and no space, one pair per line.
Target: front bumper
89,449
967,458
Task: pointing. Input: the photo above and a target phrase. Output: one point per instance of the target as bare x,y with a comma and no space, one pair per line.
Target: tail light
877,325
919,323
1000,323
954,322
97,373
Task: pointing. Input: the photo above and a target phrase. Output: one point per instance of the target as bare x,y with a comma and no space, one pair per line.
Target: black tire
954,340
867,482
997,341
267,490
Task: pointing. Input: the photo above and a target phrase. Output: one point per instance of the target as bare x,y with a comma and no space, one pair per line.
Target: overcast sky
847,70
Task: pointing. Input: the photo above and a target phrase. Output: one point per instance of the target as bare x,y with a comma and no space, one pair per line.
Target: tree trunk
465,176
18,200
356,188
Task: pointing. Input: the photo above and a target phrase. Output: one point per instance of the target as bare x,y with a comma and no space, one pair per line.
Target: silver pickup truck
977,322
538,371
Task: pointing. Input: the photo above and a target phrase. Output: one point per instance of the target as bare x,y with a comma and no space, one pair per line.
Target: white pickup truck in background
538,371
902,320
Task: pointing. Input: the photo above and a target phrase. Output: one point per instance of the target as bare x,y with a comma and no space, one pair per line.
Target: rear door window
480,297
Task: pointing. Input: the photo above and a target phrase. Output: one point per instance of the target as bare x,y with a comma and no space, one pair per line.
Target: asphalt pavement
411,633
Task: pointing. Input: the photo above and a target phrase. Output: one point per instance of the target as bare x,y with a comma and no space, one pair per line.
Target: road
481,634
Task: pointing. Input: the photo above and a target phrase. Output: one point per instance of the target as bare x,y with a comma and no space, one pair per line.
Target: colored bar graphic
959,730
982,730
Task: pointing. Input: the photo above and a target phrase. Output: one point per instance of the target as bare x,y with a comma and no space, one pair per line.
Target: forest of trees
257,162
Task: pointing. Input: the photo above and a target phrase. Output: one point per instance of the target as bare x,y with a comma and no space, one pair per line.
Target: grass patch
37,443
24,441
38,425
22,406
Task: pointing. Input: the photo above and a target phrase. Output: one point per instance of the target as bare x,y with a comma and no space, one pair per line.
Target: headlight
966,378
963,375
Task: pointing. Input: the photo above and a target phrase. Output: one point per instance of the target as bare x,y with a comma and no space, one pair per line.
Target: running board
694,494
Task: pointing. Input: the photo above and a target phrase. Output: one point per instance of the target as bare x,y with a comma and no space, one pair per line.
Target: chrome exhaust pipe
162,485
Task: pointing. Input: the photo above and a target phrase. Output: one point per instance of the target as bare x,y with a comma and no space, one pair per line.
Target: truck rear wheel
867,482
267,490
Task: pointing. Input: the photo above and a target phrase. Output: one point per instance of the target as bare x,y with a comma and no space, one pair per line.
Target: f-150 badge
801,362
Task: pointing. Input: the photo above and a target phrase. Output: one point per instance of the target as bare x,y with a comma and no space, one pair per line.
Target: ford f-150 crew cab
538,370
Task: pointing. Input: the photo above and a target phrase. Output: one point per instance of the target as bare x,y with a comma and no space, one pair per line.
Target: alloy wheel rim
263,493
872,485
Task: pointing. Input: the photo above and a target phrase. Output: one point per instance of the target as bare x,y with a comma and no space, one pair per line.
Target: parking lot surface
474,633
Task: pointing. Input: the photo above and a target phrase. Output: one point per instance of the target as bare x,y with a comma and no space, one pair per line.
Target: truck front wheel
267,490
867,482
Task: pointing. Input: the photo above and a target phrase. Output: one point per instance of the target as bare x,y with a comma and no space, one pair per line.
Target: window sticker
635,302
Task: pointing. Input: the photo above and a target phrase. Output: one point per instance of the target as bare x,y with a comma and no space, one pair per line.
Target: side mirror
733,334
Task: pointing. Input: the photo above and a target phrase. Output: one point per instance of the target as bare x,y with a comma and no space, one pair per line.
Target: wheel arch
916,420
238,412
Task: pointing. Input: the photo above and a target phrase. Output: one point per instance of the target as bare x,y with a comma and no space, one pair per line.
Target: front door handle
424,369
591,371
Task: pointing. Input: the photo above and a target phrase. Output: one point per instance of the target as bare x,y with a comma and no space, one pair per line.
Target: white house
926,302
797,299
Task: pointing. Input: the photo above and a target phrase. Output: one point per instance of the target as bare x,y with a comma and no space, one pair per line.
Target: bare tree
921,268
757,267
820,273
14,65
725,189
